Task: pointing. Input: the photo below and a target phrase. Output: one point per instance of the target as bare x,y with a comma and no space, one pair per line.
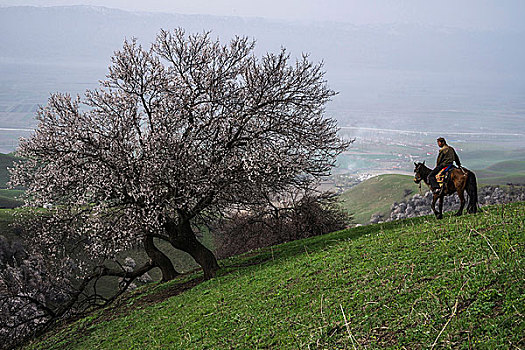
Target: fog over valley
399,84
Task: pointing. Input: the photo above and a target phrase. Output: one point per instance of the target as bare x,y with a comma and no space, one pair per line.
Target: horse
459,181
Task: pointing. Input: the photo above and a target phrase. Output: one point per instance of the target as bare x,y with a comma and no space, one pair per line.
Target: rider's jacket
447,155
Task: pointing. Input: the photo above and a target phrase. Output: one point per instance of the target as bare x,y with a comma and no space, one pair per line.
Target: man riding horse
446,158
459,181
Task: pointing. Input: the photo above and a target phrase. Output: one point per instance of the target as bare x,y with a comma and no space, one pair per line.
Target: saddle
443,175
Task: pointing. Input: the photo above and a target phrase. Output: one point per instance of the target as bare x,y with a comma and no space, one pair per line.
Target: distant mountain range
90,34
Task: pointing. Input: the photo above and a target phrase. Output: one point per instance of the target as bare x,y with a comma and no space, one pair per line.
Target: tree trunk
183,238
160,259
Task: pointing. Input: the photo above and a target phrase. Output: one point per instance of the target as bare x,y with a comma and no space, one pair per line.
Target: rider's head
441,142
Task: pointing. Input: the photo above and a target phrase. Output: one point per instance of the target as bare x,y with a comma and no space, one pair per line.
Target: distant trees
184,129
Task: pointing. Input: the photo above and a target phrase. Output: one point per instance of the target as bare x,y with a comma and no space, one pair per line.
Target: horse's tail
472,191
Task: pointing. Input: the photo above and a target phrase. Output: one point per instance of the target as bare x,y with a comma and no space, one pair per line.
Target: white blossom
187,126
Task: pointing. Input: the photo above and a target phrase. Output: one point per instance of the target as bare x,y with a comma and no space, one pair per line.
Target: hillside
7,197
6,160
419,283
376,195
6,220
501,173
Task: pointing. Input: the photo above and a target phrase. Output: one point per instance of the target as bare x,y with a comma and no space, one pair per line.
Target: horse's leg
433,206
440,215
461,202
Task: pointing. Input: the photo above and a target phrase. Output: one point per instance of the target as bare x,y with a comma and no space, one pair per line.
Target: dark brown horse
459,181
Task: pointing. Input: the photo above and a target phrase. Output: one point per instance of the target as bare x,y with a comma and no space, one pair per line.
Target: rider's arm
456,158
439,158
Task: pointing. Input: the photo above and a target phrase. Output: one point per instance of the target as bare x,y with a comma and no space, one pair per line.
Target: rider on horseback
447,156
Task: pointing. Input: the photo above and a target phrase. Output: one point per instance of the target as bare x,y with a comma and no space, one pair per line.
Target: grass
376,195
9,198
416,284
510,171
475,155
6,220
508,166
6,160
12,194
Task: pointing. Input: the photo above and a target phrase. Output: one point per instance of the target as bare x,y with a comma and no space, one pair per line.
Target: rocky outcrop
419,204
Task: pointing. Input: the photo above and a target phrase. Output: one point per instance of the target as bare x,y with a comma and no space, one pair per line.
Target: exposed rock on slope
419,205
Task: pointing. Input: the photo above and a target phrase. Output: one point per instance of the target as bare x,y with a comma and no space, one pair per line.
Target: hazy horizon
399,85
466,14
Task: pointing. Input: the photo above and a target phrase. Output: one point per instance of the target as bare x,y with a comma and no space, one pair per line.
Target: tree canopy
187,127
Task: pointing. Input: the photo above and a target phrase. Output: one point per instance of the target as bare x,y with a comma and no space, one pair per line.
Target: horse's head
418,171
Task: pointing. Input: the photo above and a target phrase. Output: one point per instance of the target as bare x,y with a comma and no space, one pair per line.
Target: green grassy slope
501,173
7,197
376,195
9,203
475,155
6,220
418,283
6,160
11,194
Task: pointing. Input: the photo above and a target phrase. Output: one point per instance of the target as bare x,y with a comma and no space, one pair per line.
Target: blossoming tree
185,128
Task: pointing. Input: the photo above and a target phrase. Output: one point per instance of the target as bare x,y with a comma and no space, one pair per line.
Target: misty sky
471,14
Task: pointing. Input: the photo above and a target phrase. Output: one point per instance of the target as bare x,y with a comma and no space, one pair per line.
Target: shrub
297,217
